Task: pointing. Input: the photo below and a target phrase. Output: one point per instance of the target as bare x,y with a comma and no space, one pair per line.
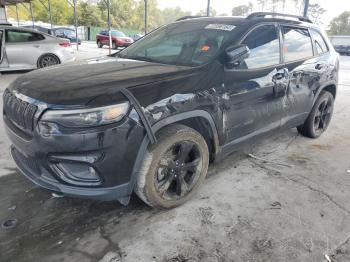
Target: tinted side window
297,44
264,46
320,44
59,32
13,36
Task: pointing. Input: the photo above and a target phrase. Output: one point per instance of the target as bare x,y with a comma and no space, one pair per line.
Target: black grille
19,112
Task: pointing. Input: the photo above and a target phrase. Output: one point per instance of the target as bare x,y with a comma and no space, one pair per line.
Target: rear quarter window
319,42
297,44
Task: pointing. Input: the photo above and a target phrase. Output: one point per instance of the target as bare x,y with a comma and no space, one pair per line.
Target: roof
252,19
245,23
19,28
212,19
13,2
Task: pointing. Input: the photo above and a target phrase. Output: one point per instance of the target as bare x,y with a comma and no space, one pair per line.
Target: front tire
174,168
114,46
99,44
320,116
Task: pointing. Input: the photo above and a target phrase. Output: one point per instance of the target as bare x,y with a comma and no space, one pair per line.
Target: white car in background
26,49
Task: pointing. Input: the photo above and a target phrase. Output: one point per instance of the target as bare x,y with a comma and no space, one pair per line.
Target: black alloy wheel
323,116
178,170
173,168
319,117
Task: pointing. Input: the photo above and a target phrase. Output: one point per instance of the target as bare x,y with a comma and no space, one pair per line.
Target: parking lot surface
294,207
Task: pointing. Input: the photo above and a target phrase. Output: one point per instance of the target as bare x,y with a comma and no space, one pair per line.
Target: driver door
256,87
3,59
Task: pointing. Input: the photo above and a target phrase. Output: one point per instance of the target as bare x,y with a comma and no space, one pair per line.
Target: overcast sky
333,7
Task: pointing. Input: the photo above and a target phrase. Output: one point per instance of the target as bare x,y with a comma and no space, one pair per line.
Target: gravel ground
247,210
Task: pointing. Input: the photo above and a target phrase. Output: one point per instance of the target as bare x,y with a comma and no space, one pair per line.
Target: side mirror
236,54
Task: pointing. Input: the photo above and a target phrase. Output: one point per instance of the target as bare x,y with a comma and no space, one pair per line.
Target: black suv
150,118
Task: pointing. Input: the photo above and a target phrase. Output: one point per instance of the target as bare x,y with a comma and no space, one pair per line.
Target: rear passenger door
256,88
323,60
304,72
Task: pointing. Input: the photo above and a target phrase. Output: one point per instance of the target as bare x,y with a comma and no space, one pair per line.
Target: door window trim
314,45
296,27
22,31
246,34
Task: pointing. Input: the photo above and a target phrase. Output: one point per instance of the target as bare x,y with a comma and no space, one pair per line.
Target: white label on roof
220,27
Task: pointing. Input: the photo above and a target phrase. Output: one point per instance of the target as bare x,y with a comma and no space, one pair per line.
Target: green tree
153,15
262,3
61,12
89,15
121,11
340,25
315,12
242,10
169,15
203,12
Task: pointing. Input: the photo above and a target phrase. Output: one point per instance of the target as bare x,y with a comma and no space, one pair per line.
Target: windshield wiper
142,58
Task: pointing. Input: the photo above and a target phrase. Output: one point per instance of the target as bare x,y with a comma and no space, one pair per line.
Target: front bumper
110,150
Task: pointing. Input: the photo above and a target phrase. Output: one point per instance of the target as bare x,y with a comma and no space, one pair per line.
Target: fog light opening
78,173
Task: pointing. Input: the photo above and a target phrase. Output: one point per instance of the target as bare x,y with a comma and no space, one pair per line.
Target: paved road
246,211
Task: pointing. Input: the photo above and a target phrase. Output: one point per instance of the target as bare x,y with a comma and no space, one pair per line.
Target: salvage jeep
150,118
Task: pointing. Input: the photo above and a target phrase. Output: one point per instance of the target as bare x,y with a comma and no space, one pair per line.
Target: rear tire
319,117
48,60
174,168
99,44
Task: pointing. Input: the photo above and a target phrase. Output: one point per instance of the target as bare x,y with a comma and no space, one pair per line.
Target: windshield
179,44
118,34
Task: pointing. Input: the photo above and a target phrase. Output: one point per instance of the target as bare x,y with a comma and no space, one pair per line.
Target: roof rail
189,17
263,14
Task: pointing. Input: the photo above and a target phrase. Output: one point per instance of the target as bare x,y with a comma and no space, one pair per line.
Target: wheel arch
41,56
200,116
329,87
199,120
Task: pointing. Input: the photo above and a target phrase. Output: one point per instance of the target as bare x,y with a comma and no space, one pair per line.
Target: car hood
99,79
125,38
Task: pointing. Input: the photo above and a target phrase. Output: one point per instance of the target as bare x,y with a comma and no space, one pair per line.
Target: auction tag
220,27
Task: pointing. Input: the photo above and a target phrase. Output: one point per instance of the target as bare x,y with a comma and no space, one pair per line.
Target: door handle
278,76
36,46
280,80
319,66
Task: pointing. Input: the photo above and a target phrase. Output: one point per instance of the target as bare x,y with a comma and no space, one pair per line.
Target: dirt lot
247,210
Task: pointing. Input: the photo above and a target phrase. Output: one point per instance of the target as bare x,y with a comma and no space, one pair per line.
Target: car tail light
65,44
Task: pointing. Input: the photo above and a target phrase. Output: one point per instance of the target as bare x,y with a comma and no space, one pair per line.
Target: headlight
86,117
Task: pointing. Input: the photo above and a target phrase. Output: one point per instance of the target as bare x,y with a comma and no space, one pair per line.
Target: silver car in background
25,49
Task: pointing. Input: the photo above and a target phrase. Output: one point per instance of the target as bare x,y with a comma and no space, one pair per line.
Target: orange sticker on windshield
205,48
